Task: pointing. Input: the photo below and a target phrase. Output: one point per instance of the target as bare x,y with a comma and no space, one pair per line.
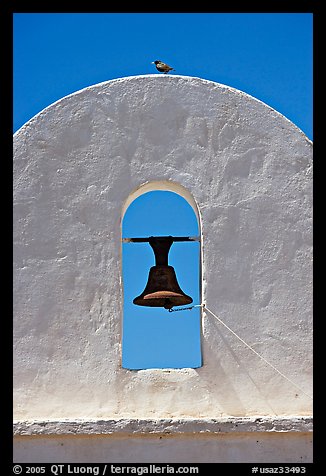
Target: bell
162,288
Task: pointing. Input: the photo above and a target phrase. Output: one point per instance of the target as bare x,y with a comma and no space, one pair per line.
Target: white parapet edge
132,426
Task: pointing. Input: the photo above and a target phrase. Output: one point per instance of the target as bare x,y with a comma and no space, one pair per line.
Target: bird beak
152,62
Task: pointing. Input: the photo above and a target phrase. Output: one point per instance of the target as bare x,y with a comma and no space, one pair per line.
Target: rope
245,343
255,352
185,308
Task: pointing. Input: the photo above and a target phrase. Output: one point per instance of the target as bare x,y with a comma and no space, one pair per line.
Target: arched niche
152,337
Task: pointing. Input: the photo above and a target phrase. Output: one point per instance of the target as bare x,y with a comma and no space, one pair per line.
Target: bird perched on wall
162,67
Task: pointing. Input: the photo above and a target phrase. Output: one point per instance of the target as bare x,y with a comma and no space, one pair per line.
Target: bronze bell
162,288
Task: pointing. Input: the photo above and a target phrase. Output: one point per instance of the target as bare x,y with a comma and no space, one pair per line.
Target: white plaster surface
249,172
218,448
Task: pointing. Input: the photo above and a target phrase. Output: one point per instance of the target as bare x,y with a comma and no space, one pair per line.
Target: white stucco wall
238,448
223,440
246,170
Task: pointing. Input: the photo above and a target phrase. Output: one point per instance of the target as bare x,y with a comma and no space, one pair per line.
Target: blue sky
267,55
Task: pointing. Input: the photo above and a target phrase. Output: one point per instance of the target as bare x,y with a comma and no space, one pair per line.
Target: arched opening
152,337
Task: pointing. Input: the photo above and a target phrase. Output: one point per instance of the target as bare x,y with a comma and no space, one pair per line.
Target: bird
162,67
